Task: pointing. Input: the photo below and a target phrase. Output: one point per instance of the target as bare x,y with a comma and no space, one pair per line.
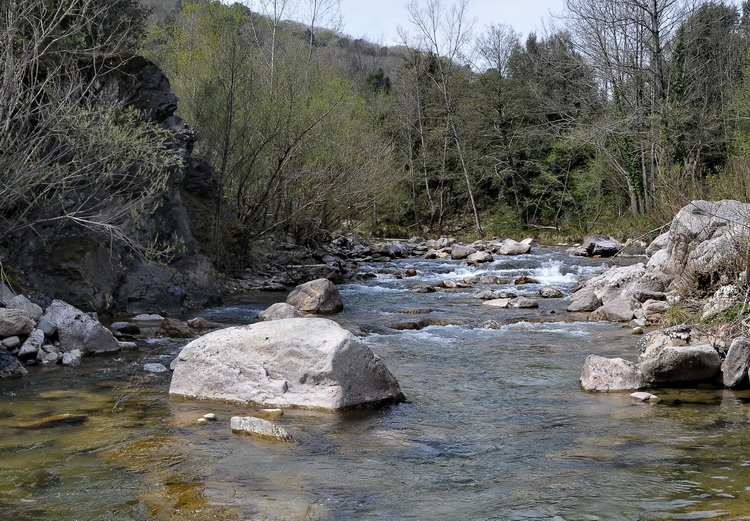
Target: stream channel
495,425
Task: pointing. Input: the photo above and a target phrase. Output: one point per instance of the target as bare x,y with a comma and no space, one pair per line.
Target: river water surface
495,425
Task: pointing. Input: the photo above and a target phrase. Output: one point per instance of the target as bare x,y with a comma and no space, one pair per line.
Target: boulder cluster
705,247
61,333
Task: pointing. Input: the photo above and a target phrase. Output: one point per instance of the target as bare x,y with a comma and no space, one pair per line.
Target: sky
377,20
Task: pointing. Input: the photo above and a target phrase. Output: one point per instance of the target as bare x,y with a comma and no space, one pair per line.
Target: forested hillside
607,124
610,123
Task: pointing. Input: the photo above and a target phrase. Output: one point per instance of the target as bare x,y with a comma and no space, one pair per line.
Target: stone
48,327
24,304
279,311
493,279
10,365
511,247
71,358
659,243
11,342
704,238
680,364
480,257
525,280
15,322
735,367
652,343
524,303
199,323
616,310
653,309
145,320
270,413
173,328
724,298
259,427
301,362
637,331
642,396
31,345
584,300
318,296
125,328
461,252
77,330
155,368
210,417
610,374
601,246
501,303
550,292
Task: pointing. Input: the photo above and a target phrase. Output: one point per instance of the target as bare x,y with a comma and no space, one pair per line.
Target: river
495,426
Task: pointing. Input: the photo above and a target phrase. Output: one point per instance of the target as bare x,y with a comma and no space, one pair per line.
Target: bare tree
445,32
70,151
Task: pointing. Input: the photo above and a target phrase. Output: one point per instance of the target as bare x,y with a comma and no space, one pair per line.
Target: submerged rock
259,427
302,362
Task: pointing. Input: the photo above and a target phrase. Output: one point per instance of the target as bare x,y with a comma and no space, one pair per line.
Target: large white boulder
299,362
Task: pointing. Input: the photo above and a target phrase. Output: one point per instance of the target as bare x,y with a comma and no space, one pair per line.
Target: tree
71,152
445,34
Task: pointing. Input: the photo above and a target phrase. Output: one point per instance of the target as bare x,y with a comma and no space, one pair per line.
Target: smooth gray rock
511,247
24,304
621,309
259,427
15,322
31,345
584,300
320,296
657,244
302,362
610,374
679,364
148,320
524,303
480,257
601,246
735,367
125,328
461,252
279,311
550,292
500,303
11,342
48,327
77,330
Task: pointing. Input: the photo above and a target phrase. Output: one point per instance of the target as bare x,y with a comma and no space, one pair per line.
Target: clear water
495,426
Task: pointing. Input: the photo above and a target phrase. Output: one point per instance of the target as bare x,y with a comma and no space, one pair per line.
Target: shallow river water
495,425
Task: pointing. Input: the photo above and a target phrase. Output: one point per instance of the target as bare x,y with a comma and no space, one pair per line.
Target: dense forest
608,123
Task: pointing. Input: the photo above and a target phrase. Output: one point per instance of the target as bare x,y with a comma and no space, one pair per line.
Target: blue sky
378,20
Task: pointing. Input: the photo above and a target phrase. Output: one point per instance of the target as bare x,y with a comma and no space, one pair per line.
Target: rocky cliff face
92,273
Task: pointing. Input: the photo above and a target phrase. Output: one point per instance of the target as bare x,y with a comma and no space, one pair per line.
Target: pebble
270,413
202,421
210,417
636,331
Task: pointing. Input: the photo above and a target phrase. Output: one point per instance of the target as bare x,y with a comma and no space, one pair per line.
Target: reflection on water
495,427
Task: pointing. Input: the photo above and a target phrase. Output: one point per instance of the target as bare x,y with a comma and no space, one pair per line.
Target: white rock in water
148,320
210,417
270,413
259,427
645,397
155,368
301,362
